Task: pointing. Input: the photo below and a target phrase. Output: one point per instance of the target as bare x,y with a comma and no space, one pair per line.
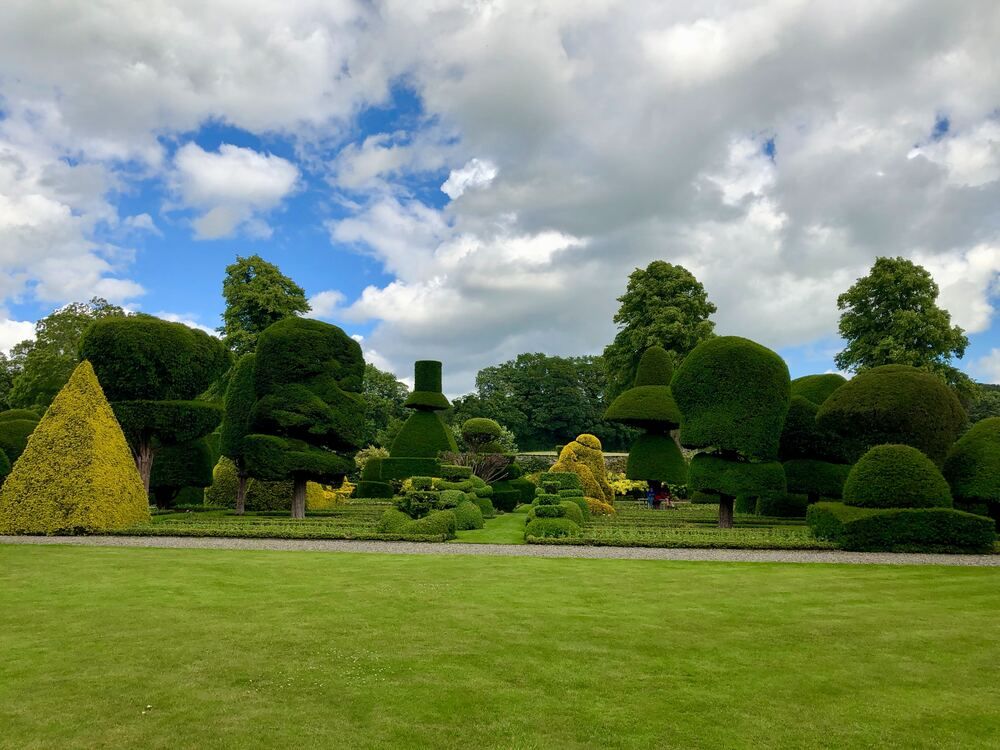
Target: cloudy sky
470,180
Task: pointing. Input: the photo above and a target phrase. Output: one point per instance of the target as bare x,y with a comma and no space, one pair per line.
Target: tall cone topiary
649,405
77,472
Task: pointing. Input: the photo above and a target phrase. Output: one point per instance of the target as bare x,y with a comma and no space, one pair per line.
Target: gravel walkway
514,550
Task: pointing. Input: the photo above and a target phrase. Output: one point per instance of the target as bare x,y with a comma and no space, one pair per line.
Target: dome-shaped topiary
817,388
733,395
894,404
973,464
655,367
481,435
802,437
656,457
649,404
896,476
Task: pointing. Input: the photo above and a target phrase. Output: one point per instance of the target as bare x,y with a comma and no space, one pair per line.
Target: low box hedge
901,529
551,528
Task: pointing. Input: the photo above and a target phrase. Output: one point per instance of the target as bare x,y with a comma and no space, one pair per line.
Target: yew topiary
178,467
482,435
14,434
240,398
896,476
972,467
586,452
893,404
817,388
77,473
811,455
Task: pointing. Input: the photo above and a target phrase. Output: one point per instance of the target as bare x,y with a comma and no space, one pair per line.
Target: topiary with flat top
817,388
77,473
896,476
894,404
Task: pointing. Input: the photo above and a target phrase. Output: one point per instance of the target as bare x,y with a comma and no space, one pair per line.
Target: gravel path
513,550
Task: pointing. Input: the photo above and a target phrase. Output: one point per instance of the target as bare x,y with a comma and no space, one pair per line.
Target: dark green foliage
257,296
663,305
468,516
715,474
894,404
485,505
821,478
452,472
509,493
372,470
366,488
384,397
649,404
704,498
18,414
973,464
573,511
481,435
5,466
789,505
896,476
178,467
514,471
14,434
902,529
546,498
275,458
403,468
418,503
142,358
424,435
817,388
551,527
745,504
733,395
240,398
564,480
427,387
168,421
549,511
802,437
656,457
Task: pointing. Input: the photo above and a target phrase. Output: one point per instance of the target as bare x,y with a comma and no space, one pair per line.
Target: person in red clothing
662,496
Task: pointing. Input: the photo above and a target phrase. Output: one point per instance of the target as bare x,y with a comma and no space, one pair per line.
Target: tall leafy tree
384,398
38,368
891,317
257,294
663,305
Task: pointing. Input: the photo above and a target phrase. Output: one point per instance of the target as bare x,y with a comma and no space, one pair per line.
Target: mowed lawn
116,648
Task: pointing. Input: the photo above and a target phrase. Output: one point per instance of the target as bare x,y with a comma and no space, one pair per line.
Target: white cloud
191,321
14,332
986,369
143,223
325,304
233,187
476,173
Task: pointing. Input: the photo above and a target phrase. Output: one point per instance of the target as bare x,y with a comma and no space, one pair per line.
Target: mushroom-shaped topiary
481,435
733,396
896,476
973,466
811,456
817,388
894,404
649,405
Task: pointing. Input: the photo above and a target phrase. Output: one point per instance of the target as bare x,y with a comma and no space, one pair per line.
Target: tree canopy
891,317
384,399
257,294
663,305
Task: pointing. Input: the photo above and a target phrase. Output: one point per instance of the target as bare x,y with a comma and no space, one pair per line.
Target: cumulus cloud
326,303
476,173
14,332
232,188
191,321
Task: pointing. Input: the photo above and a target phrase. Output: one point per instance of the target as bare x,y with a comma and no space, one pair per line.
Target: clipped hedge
893,404
437,523
788,505
817,388
902,529
896,476
404,468
485,506
656,457
733,395
455,473
372,489
77,473
423,435
14,434
972,467
468,516
718,475
549,528
824,479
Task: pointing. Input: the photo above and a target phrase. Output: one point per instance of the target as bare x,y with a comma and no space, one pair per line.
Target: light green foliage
891,317
551,528
663,305
257,295
76,473
896,476
384,399
468,516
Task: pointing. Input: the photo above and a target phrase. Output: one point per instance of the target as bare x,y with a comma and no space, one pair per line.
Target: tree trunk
143,455
726,503
241,493
299,498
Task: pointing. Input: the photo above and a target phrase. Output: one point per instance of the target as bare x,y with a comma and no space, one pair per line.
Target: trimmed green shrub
427,393
422,483
480,432
548,528
19,414
418,503
485,506
745,504
452,472
404,468
393,521
649,404
547,511
802,437
583,457
451,498
973,464
373,489
824,479
546,499
14,434
468,516
718,475
896,476
566,480
177,467
505,497
893,404
656,457
423,435
789,505
439,523
817,388
570,493
704,498
733,395
77,473
4,466
572,511
902,529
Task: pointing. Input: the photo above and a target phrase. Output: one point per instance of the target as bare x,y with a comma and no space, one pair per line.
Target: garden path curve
517,550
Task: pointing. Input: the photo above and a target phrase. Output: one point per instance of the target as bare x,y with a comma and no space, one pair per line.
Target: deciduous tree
257,295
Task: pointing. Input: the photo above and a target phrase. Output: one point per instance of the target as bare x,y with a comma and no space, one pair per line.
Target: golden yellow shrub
599,507
76,473
586,450
567,462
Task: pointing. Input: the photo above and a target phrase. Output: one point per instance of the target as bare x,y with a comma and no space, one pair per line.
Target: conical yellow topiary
77,473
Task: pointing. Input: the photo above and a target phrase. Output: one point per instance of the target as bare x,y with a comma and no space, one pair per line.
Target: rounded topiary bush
481,434
817,388
894,404
973,464
551,528
896,476
802,437
468,516
12,414
733,395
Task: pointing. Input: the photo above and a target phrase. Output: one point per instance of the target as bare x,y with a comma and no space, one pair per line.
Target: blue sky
467,183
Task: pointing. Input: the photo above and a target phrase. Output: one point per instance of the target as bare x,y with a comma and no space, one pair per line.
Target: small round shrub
733,395
393,521
894,404
480,432
581,503
545,499
441,522
485,506
548,511
817,388
454,473
551,528
468,516
451,498
896,476
656,457
572,511
973,464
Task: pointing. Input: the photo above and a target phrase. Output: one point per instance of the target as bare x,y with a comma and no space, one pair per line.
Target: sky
468,180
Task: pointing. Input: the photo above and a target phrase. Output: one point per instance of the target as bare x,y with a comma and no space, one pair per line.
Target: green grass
236,649
507,528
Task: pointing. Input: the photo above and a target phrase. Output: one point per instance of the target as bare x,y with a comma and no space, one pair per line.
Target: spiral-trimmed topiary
817,388
896,476
894,404
77,473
